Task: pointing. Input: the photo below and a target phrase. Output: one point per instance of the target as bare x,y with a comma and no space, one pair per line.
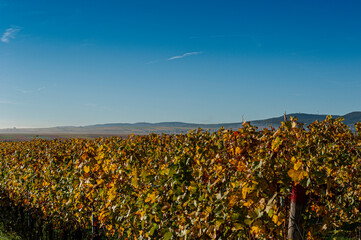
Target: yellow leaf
248,203
209,209
245,190
255,230
86,169
238,150
135,178
113,167
99,156
276,220
297,165
297,175
276,143
309,235
112,193
151,197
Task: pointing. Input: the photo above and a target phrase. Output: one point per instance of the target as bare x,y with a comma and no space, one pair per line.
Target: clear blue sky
86,62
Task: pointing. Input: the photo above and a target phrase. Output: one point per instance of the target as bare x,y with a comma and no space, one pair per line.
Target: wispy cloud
184,55
26,91
10,33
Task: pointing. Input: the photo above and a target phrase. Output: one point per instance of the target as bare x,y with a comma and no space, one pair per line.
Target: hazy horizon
213,123
82,63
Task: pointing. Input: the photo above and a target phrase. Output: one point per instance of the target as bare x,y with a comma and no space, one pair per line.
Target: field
19,137
200,185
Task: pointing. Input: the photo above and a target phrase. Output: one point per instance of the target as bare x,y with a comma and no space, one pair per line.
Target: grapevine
229,184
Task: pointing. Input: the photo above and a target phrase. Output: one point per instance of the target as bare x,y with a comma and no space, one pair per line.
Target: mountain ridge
181,127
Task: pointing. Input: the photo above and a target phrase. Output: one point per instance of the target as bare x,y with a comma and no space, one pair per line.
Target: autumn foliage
230,184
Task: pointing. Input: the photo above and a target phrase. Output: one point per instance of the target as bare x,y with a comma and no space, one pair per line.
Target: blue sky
86,62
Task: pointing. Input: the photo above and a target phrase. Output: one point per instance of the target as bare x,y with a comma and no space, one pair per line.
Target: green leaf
248,221
151,232
167,236
276,143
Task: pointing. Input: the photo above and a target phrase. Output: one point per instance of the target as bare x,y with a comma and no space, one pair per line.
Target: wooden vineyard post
93,231
298,203
95,227
297,206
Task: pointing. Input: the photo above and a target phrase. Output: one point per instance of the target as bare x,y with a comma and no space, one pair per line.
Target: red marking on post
298,194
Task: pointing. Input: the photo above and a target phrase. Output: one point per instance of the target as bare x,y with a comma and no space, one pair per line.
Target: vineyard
200,185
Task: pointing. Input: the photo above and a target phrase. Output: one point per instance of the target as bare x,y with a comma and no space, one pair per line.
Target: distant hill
177,127
302,117
167,124
349,119
352,118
